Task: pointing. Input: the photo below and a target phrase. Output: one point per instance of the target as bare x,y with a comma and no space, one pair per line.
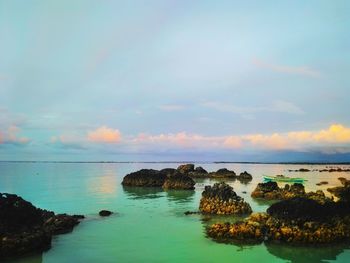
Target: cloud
336,138
10,136
104,135
301,70
171,107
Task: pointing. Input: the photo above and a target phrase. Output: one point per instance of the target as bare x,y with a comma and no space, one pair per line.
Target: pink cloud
104,135
10,135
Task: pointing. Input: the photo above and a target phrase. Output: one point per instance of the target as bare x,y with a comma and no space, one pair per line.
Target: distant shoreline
179,162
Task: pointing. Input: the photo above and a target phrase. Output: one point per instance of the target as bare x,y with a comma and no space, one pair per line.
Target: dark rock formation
322,183
296,220
245,176
223,173
221,199
105,213
179,181
342,192
186,168
200,169
25,228
271,191
145,177
168,171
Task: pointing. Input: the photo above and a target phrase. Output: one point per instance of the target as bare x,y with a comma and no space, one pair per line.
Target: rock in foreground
221,199
297,221
25,228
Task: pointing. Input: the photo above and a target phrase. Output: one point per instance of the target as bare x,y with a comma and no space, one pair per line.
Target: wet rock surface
296,221
271,191
25,228
342,192
221,199
146,178
179,181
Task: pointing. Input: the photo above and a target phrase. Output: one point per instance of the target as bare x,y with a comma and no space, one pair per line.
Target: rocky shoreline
180,178
271,191
26,229
295,220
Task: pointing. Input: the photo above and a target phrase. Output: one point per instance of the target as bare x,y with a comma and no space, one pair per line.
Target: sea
149,224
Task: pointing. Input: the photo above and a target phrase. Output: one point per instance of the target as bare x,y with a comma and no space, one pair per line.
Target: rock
322,183
295,221
179,181
201,170
221,199
168,171
25,228
271,191
192,213
245,176
223,173
105,213
186,168
145,177
342,192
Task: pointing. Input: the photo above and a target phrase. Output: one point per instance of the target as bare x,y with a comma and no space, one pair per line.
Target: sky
175,80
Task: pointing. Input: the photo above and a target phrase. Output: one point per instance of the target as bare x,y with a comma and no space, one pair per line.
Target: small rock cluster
222,200
296,220
271,191
25,228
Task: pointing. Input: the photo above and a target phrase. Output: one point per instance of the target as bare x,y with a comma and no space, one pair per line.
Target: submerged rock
221,199
179,181
105,213
25,228
145,177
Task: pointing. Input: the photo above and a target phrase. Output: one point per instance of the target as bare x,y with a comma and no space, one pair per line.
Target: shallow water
150,225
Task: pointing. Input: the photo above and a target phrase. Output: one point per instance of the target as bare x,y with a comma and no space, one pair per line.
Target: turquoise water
149,224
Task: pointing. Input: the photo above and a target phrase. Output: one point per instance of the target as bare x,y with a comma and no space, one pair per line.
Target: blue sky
245,80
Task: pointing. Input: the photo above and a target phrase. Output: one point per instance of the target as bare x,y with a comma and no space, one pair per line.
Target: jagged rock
186,168
25,228
105,213
179,181
269,190
322,183
145,177
297,221
221,199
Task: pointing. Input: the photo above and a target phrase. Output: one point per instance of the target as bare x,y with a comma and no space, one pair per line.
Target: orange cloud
104,135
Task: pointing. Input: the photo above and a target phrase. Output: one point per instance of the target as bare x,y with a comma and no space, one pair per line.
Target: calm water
149,225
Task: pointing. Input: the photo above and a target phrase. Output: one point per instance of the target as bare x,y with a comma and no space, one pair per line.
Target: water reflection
306,254
143,192
180,196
